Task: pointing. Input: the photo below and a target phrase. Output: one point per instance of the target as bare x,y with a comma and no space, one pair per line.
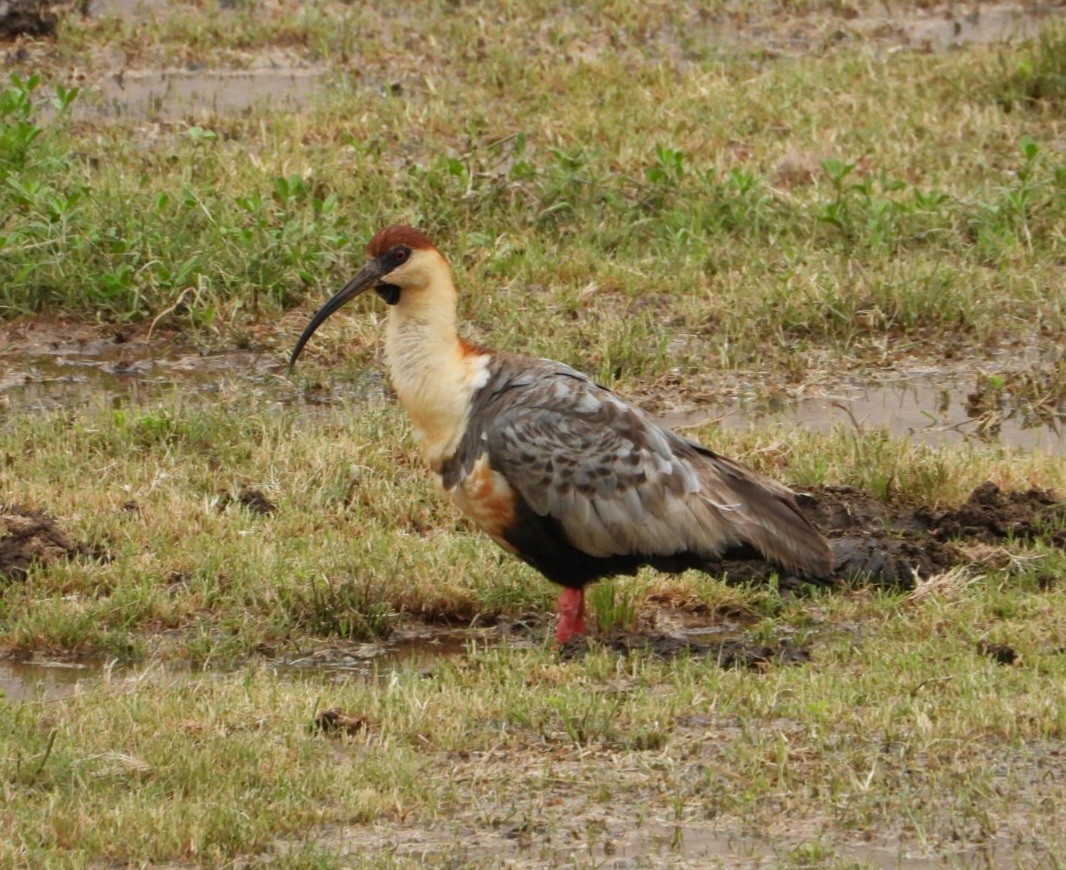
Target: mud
726,654
335,722
29,17
29,537
991,515
882,544
251,500
1000,653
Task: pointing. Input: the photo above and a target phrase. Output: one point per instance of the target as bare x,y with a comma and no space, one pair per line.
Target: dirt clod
30,536
336,722
1000,653
991,515
251,499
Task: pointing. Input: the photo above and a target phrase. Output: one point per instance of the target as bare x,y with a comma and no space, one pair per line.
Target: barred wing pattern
615,483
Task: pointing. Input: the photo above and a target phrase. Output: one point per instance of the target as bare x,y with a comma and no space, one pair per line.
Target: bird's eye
400,255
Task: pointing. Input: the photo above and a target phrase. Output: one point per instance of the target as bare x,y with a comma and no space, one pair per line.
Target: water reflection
930,408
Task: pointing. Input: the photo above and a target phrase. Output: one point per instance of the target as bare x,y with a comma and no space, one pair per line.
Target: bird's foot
571,610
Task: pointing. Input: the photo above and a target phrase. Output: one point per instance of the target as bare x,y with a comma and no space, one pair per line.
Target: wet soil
731,653
589,808
337,722
876,544
173,94
47,365
29,536
29,17
881,544
290,80
251,500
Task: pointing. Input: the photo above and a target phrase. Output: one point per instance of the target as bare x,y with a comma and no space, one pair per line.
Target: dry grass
655,195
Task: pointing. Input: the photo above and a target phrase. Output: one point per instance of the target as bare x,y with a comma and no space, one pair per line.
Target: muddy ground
52,363
29,537
877,544
881,544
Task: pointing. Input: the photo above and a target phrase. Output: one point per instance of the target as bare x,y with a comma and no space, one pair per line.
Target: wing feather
618,483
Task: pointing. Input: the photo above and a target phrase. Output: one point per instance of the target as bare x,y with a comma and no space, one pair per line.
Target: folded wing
619,484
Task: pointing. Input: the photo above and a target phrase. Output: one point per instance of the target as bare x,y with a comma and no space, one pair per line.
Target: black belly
541,542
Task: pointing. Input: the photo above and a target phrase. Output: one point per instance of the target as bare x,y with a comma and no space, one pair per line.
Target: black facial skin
399,255
367,278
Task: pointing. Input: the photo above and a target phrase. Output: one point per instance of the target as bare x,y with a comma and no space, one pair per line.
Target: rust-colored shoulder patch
398,234
468,348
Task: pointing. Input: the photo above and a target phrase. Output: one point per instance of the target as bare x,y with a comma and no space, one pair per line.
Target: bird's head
401,263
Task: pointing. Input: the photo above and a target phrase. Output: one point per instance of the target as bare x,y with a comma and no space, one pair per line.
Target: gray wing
620,484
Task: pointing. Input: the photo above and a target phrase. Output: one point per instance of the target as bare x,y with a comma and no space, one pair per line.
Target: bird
558,470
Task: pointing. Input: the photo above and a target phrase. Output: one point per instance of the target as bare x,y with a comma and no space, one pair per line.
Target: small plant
1026,208
349,609
588,717
1036,74
669,166
615,604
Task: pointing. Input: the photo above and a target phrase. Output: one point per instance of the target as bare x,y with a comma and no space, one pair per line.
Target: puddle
46,681
417,648
55,382
46,368
176,94
929,409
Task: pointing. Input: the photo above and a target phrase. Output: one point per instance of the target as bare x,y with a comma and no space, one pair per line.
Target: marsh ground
259,637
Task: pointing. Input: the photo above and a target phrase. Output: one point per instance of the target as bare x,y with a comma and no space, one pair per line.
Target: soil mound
30,17
28,536
882,544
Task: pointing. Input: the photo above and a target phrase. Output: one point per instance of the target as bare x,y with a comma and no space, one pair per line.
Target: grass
646,195
651,193
358,538
909,733
899,728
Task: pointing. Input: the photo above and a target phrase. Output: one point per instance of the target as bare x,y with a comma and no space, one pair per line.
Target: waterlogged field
260,638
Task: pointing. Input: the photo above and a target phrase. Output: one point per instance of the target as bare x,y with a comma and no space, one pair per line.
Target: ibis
556,469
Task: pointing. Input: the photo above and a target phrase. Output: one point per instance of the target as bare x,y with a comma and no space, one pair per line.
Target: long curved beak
364,279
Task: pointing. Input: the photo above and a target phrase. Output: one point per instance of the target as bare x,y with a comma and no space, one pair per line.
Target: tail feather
764,514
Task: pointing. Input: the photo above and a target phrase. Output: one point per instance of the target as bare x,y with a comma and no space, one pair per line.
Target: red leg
571,609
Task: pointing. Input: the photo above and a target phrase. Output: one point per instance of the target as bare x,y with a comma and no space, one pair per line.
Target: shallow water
37,681
417,648
46,681
930,408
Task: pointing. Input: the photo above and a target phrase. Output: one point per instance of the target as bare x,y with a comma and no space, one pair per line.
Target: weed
1035,75
615,604
348,609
